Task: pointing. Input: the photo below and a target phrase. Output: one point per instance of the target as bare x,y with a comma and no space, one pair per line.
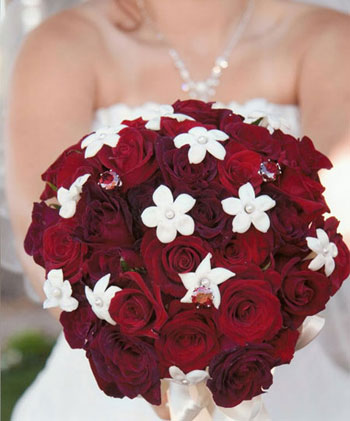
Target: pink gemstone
202,296
269,170
109,180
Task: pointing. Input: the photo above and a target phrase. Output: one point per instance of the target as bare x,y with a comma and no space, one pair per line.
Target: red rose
77,325
284,345
42,217
188,340
70,165
124,365
200,111
251,247
239,167
133,158
178,173
240,374
104,218
165,262
137,309
249,312
63,250
304,293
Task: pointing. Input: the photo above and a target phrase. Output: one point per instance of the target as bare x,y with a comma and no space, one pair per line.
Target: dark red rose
165,262
240,374
304,293
77,325
284,345
200,111
255,138
239,167
124,365
249,312
251,247
188,340
212,223
104,219
137,309
43,217
63,250
301,154
133,158
289,227
70,165
178,173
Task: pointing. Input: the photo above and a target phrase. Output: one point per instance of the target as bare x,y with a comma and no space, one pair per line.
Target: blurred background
27,332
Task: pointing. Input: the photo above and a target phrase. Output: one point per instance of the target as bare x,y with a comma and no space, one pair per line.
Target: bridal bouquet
190,246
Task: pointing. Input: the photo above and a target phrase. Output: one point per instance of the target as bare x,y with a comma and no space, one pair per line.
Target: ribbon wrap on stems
194,402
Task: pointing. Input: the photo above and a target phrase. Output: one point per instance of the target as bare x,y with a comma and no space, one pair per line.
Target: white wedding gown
314,387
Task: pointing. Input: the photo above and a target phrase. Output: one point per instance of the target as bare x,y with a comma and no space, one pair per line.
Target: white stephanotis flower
100,298
59,292
156,112
325,251
271,121
248,209
193,377
103,136
169,215
68,198
207,278
202,141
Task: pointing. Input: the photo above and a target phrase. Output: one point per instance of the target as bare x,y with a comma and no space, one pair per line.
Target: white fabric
315,387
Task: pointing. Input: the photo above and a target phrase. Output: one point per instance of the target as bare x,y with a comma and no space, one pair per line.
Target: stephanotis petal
176,373
241,223
92,149
323,237
150,216
264,202
232,206
197,376
187,298
314,244
184,202
317,262
196,153
216,296
216,149
246,193
220,275
102,284
162,196
166,233
185,225
68,209
189,280
218,135
205,266
261,221
329,266
183,139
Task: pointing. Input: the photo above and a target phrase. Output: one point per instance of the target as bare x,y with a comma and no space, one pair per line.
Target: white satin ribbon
195,402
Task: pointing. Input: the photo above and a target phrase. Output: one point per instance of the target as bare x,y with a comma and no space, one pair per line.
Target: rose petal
241,223
162,196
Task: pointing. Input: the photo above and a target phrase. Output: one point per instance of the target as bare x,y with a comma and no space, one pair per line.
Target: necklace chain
203,89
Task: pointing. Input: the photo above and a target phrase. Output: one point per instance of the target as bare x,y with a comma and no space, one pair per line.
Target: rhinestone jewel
269,170
109,180
202,296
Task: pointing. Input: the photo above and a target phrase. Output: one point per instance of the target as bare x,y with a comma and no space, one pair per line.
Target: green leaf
52,186
267,265
125,267
258,121
53,205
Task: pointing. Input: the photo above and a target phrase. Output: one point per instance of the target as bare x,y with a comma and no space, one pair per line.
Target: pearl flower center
98,302
169,214
205,282
102,135
202,140
249,208
325,251
184,381
56,292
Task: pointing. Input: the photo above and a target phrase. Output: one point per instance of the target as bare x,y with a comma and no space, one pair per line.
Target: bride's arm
50,107
324,97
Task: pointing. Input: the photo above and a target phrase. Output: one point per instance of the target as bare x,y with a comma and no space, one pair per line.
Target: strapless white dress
314,387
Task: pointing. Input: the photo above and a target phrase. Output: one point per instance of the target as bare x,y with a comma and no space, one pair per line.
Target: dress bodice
287,115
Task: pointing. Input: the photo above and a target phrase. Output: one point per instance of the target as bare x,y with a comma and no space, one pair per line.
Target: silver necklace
203,89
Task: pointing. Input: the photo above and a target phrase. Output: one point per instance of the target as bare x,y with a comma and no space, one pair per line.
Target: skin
78,61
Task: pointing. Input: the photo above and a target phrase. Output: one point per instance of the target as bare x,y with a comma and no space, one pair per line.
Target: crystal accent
202,296
269,170
109,180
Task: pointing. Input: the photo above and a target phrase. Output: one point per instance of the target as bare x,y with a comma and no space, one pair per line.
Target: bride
101,61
